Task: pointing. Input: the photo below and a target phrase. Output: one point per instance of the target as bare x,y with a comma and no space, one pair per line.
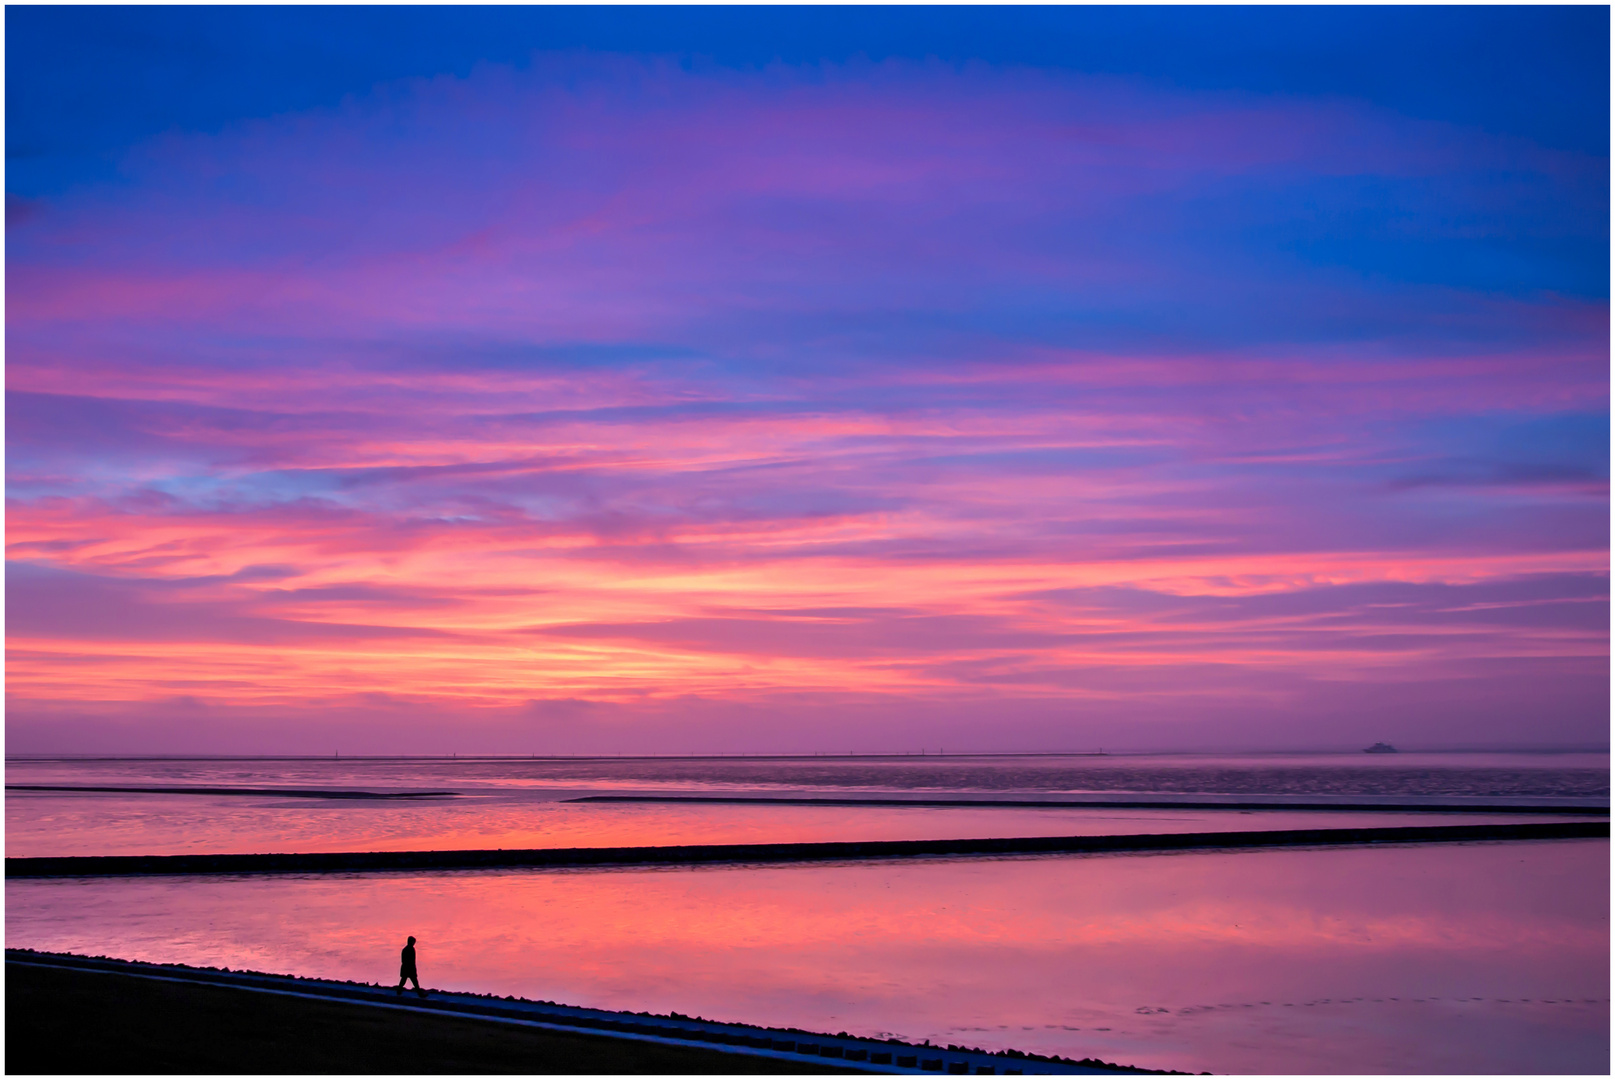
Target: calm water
1464,958
1301,774
1475,958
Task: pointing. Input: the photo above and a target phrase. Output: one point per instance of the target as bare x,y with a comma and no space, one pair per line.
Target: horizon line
800,756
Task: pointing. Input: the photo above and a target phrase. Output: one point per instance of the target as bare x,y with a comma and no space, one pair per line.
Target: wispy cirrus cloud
1116,412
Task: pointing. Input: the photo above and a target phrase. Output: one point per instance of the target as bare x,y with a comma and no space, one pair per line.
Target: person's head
412,941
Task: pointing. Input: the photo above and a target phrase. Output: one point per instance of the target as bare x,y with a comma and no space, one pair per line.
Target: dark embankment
1587,807
279,793
799,1050
358,861
61,1021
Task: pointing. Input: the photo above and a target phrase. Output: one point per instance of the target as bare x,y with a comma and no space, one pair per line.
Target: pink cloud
596,382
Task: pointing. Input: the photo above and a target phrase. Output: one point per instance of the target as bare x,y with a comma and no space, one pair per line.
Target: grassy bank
60,1021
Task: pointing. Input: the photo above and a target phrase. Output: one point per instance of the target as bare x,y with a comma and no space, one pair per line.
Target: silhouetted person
406,970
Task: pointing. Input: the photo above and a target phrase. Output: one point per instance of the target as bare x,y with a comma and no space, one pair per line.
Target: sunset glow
607,402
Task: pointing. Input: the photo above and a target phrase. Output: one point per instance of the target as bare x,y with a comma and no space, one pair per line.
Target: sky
752,380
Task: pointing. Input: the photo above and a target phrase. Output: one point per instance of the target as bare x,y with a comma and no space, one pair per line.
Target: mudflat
60,1021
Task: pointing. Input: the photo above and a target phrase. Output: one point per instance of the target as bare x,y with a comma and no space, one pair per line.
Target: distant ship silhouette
1382,748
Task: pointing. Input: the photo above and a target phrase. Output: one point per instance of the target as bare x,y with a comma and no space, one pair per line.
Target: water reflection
1471,958
1449,774
40,823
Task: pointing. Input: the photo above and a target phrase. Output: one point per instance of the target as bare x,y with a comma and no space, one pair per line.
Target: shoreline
1577,806
319,1025
150,1025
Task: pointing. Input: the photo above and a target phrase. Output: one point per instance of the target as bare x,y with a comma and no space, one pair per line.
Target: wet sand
60,1021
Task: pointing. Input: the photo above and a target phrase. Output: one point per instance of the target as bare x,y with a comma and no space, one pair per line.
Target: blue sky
87,82
783,378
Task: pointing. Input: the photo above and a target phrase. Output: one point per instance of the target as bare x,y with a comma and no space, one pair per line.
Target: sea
1484,957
